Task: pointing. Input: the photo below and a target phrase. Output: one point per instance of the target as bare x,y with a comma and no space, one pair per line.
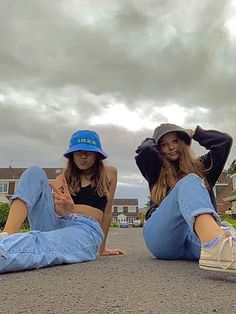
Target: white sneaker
222,256
3,234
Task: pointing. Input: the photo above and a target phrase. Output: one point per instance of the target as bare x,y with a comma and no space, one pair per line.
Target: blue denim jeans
54,239
169,232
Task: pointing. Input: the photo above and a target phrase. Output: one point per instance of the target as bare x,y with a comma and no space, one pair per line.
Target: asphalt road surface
133,283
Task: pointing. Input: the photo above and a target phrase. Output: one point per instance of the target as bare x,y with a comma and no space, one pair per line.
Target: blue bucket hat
85,140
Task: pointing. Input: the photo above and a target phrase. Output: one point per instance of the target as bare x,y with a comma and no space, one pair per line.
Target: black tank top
86,196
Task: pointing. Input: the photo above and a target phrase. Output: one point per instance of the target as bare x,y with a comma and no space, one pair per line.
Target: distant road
134,283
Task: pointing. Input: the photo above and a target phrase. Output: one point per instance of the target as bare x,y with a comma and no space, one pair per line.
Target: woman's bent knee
191,177
33,174
190,181
35,171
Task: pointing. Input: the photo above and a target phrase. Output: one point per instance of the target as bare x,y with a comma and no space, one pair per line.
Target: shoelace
230,239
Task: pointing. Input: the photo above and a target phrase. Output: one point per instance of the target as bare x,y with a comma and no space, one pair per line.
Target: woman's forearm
105,225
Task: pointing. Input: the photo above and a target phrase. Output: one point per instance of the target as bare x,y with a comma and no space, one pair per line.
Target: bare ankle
206,228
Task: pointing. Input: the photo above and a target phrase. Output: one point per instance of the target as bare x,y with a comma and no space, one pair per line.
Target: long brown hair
171,173
99,179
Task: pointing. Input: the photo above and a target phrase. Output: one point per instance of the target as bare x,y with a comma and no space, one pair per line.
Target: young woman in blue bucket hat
70,226
183,222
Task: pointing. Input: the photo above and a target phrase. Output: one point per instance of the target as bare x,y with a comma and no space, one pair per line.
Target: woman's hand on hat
62,198
107,252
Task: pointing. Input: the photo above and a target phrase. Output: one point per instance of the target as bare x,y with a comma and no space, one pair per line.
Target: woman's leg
74,240
33,197
169,232
16,217
206,228
78,241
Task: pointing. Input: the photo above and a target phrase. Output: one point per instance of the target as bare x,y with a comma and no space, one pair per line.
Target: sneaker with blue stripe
222,255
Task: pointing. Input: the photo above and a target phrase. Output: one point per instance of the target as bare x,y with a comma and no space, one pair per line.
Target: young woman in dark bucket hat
70,227
183,222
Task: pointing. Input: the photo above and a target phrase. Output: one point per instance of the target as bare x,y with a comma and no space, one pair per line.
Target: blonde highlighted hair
99,180
170,174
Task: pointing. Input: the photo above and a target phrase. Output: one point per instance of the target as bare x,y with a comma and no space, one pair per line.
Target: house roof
125,201
15,173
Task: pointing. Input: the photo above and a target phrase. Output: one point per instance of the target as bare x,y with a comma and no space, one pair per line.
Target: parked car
124,224
136,223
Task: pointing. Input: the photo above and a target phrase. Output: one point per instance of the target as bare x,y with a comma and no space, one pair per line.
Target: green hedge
114,225
228,218
4,211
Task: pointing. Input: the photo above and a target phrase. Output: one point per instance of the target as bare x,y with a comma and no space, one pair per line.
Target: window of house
114,209
3,187
132,209
120,209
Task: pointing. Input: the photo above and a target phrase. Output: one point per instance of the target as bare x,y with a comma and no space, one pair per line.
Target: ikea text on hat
85,140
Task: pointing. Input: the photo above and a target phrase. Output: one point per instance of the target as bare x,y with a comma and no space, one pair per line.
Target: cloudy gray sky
117,67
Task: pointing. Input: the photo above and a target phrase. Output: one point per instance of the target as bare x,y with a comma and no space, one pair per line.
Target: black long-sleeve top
218,144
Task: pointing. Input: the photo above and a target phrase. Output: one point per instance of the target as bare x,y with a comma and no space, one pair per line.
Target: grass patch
228,218
24,230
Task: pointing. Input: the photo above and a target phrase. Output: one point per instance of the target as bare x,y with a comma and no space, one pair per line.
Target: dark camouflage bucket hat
168,127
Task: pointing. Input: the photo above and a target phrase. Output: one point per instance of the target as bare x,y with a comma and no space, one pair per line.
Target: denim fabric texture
169,232
54,239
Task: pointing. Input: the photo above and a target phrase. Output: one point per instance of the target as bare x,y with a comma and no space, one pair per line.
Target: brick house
222,188
9,178
230,197
125,210
122,209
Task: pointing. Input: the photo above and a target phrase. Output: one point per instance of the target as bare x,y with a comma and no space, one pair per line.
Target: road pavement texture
132,283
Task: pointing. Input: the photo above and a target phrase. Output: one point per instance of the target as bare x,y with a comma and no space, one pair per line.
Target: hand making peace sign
62,198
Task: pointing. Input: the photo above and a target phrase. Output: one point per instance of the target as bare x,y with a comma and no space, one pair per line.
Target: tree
232,167
149,202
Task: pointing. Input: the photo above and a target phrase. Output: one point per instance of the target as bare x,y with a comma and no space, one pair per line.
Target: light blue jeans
54,239
169,232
